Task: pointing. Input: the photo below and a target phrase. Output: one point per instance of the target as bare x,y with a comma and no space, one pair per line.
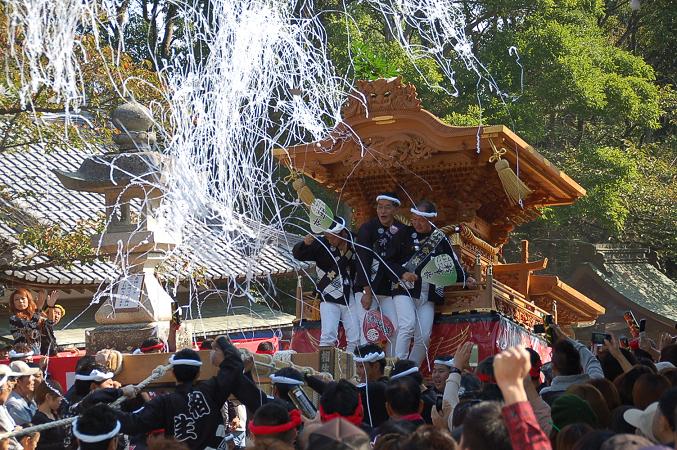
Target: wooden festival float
388,142
132,182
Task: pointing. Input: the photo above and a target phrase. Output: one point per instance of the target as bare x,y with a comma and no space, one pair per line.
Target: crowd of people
586,397
613,398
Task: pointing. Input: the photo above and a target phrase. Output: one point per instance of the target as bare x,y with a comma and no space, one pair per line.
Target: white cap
642,420
23,368
6,372
664,365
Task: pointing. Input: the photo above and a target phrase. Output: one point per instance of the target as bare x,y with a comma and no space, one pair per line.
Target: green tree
585,94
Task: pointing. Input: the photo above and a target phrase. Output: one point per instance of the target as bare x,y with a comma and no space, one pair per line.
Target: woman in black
48,396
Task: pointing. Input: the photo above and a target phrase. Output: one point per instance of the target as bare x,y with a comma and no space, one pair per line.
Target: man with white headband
373,287
370,363
283,381
192,413
90,378
443,365
97,429
334,258
414,298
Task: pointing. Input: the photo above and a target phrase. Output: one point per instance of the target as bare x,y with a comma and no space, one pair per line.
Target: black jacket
429,397
335,273
373,396
406,244
373,250
52,439
191,414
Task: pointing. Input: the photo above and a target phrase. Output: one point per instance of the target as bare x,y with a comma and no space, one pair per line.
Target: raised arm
306,250
510,369
589,362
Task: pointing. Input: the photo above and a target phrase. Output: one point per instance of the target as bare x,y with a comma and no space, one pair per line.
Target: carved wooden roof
572,306
398,146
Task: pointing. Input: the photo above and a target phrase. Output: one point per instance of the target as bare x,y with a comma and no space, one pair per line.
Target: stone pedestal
127,337
132,181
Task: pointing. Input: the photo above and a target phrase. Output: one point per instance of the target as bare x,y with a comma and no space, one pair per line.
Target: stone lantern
132,180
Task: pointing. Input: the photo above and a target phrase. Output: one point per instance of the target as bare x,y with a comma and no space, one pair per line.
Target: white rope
158,372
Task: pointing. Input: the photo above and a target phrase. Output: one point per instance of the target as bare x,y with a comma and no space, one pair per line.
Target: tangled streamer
245,78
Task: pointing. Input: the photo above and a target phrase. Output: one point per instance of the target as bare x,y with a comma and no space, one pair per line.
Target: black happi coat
191,414
373,250
335,271
373,396
406,244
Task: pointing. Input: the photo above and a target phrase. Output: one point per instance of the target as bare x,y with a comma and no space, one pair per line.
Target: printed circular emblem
380,231
372,335
377,327
393,229
414,235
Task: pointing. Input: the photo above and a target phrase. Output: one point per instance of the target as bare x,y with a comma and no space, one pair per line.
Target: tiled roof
643,284
29,173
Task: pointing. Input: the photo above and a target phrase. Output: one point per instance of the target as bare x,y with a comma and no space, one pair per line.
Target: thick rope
158,372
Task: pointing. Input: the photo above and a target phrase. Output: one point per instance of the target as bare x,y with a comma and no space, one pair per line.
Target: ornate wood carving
394,150
380,96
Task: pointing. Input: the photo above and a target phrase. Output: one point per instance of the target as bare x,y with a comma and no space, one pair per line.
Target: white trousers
414,320
387,306
330,316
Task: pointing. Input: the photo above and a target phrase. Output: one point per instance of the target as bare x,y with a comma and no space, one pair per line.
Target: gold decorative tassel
403,219
304,192
514,188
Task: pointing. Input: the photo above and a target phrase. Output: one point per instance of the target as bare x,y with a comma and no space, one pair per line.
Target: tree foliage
591,87
592,91
108,76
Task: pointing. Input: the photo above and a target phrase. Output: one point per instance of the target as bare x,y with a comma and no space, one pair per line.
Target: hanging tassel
303,191
514,188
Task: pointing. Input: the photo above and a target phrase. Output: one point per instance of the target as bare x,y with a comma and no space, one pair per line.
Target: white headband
51,388
13,354
340,226
369,357
404,374
277,379
427,215
90,439
449,363
387,197
137,352
184,362
95,375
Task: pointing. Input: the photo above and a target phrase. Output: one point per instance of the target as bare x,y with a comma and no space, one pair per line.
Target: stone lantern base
128,337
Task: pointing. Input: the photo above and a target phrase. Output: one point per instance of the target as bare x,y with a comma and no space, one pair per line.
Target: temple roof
39,196
627,273
399,146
